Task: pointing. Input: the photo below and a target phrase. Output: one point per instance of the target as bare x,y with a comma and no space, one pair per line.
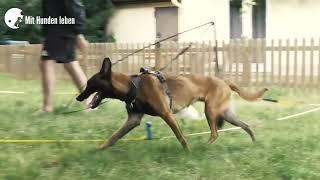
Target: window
259,19
235,18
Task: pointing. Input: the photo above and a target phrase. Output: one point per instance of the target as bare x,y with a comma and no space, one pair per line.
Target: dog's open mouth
96,100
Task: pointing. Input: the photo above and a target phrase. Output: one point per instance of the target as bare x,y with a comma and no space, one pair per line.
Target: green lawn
284,149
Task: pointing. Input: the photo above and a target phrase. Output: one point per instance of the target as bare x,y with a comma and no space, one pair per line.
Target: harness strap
132,94
134,86
162,80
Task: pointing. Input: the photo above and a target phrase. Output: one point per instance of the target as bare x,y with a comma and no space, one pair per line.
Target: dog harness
133,104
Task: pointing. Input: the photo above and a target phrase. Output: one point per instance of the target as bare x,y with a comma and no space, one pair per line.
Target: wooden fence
249,62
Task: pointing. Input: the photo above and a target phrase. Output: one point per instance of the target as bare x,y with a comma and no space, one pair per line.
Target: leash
189,46
176,57
75,111
184,50
71,100
170,37
271,100
283,101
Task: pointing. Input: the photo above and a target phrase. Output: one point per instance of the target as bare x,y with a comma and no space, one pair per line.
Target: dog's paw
103,146
212,140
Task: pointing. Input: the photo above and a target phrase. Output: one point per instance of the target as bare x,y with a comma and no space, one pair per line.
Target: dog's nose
79,98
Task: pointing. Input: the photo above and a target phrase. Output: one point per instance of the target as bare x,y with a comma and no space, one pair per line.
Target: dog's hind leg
132,122
212,118
230,117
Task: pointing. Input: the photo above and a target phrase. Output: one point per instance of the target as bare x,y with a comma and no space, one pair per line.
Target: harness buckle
144,70
160,76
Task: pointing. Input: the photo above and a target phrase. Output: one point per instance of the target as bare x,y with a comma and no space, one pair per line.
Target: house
144,20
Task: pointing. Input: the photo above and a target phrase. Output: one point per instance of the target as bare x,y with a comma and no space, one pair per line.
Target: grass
284,149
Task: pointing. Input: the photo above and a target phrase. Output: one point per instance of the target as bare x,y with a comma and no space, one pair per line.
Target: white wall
293,18
137,23
195,12
133,24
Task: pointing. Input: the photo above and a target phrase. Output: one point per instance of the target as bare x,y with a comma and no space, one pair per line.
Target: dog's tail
245,95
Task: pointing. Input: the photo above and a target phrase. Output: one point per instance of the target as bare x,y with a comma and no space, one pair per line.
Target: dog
152,99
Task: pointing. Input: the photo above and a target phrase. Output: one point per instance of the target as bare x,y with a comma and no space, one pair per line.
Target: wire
172,36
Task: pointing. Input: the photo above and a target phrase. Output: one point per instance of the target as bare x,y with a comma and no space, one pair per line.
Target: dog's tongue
96,100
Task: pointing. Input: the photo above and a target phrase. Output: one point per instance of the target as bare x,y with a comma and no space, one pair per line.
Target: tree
98,14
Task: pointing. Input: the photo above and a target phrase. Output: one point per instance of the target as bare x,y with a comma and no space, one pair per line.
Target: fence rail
249,62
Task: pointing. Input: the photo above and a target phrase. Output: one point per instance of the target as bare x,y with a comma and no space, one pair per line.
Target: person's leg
48,81
78,76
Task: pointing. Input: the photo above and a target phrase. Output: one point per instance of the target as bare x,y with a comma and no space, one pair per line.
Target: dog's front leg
171,121
133,121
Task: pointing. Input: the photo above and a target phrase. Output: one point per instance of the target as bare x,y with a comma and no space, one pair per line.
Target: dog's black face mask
100,83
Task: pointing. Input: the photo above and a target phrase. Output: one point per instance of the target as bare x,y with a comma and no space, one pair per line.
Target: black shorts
60,49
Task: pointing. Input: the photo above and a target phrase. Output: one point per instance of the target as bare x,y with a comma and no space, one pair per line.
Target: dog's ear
106,67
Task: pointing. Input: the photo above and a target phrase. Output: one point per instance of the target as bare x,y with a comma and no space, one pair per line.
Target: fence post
2,61
224,58
217,63
311,62
158,54
246,76
287,49
7,57
186,68
318,63
238,48
19,68
304,79
176,70
28,50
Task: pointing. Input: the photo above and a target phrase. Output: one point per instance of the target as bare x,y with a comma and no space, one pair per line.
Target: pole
149,130
215,48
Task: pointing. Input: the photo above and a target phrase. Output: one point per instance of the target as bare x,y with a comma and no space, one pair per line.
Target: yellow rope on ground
97,140
22,92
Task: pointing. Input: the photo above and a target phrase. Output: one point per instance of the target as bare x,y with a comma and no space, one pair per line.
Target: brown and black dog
184,90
